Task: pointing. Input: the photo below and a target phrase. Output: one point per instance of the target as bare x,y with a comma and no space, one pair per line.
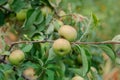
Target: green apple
61,47
16,57
77,78
46,10
21,15
68,32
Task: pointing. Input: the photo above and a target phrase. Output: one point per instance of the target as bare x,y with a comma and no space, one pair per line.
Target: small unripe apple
77,78
16,57
61,47
46,10
29,74
21,15
68,32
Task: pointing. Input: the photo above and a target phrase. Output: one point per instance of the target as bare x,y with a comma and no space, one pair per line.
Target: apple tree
40,41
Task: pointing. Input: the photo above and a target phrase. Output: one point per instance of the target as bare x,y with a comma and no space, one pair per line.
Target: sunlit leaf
95,19
50,29
26,48
52,55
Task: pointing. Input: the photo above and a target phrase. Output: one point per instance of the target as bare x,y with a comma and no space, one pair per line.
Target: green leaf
41,26
77,71
30,64
2,18
52,55
108,51
39,18
50,74
95,19
31,17
2,77
3,2
86,64
48,19
50,29
17,5
26,48
62,69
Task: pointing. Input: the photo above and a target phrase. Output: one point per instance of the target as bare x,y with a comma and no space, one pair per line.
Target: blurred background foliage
107,12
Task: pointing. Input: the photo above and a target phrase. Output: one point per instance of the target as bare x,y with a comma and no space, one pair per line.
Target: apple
61,47
12,37
77,78
62,15
21,15
29,73
16,57
68,32
46,10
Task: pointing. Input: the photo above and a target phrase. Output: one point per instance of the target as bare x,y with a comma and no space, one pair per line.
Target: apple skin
13,37
61,47
21,15
46,10
16,57
68,32
77,78
29,73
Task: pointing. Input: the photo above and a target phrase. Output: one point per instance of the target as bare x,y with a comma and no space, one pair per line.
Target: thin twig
87,30
42,41
105,42
51,41
27,42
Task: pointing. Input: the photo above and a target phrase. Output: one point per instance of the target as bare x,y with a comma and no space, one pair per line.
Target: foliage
38,30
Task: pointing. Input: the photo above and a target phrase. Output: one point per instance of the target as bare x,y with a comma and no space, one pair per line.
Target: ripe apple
29,73
61,47
68,32
77,78
12,36
21,15
16,57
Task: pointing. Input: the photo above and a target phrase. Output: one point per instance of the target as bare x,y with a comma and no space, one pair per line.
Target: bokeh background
107,11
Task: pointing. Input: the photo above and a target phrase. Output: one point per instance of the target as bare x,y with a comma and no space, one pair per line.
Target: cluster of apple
62,45
15,58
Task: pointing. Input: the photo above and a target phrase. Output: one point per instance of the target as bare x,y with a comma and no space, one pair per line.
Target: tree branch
105,42
51,41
